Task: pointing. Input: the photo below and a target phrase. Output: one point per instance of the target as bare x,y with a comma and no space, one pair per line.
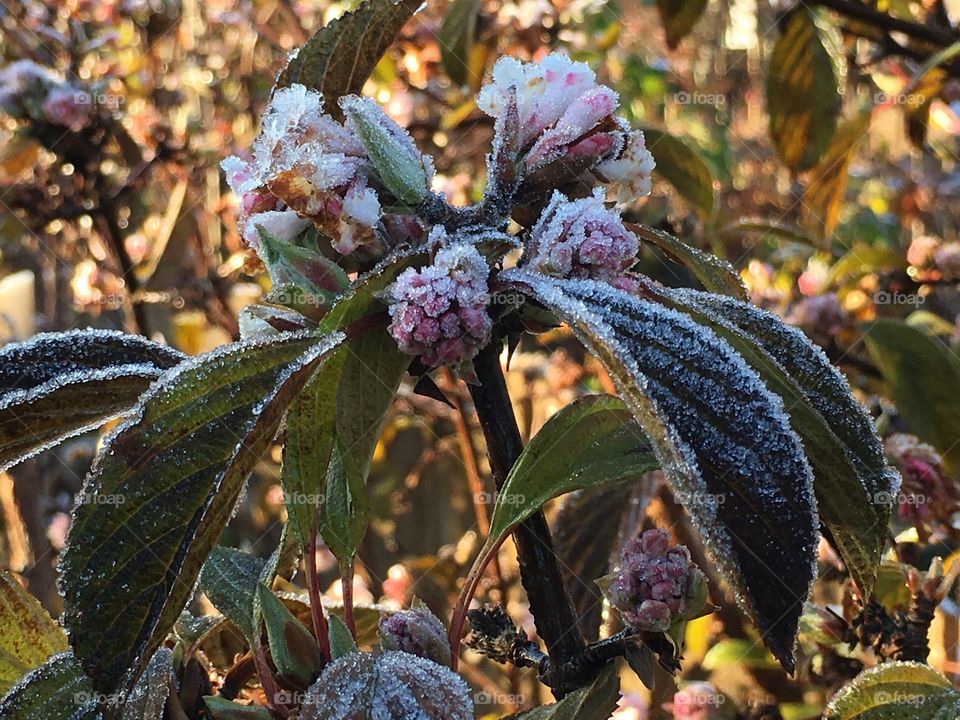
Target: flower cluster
31,91
563,115
439,312
308,167
583,239
656,584
697,701
926,491
417,631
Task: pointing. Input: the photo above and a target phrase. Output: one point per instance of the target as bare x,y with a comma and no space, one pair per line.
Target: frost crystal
655,584
390,686
563,114
307,163
629,173
583,239
439,312
282,224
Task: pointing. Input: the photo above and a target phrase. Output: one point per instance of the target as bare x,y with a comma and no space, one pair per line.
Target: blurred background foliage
815,148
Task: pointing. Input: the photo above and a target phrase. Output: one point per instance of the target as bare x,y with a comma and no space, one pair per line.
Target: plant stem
346,590
540,575
320,628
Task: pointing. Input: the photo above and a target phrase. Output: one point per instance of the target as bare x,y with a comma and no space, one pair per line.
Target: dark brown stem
866,14
540,574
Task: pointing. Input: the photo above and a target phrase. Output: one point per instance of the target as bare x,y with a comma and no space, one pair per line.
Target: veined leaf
339,58
58,385
149,696
714,274
682,167
29,636
458,32
592,441
596,701
679,17
722,439
852,479
803,96
57,690
177,466
925,384
229,579
896,691
293,648
223,709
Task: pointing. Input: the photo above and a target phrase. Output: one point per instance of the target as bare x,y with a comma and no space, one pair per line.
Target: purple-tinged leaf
723,440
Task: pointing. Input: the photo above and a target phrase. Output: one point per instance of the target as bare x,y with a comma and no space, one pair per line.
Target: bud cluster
439,312
417,631
582,239
656,584
564,116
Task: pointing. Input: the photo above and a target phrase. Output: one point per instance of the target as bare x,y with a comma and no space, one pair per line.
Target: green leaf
592,441
721,438
288,264
456,37
58,385
374,367
682,167
149,696
824,192
803,95
737,651
222,709
714,274
896,691
294,649
29,636
924,383
339,58
57,690
230,579
852,479
177,466
341,641
679,17
596,701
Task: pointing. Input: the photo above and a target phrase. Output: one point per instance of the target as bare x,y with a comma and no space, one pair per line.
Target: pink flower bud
439,312
582,239
417,631
67,106
697,701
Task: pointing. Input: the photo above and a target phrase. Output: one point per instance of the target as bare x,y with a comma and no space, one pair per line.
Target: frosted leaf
391,686
149,695
58,385
723,440
57,689
169,477
896,691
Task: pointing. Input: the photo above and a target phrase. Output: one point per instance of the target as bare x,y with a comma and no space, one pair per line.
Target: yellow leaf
30,635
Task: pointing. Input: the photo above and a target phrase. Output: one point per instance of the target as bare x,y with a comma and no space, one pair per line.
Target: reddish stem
320,628
469,589
346,589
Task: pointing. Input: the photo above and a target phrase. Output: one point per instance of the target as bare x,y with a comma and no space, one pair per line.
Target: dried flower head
439,312
583,239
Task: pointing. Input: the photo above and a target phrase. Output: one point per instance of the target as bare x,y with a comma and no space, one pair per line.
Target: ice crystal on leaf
439,312
391,686
583,239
